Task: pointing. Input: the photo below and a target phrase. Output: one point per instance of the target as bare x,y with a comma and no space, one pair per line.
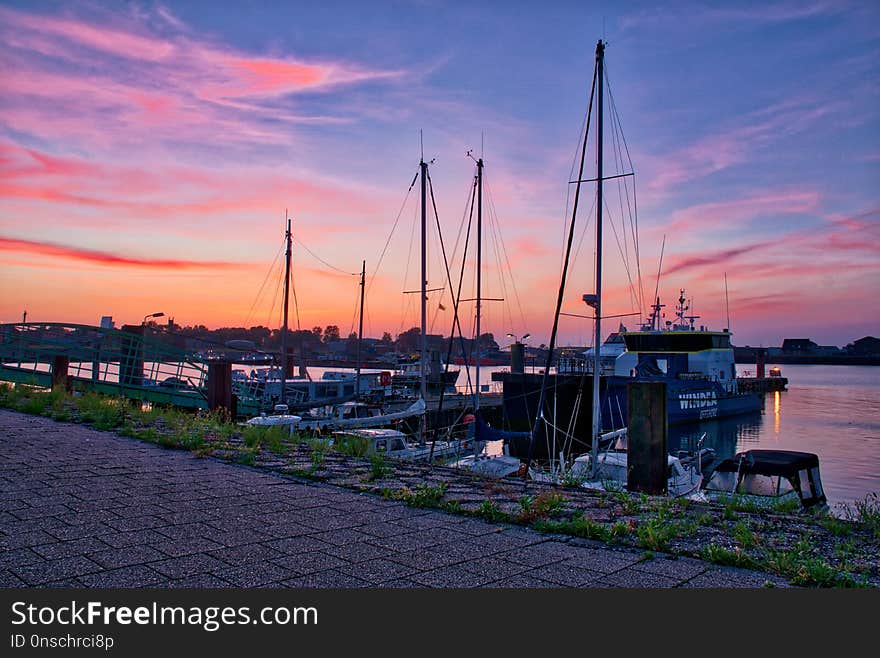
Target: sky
149,153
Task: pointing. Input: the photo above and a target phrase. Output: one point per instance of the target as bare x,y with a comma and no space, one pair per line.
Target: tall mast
597,341
479,271
357,380
283,378
423,388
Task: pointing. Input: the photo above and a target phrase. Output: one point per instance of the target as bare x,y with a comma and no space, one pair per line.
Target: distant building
107,322
798,346
867,346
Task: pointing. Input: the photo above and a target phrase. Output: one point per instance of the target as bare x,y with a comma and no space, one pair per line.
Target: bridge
127,362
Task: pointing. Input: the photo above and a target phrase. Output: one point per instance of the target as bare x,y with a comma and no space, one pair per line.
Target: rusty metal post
131,364
60,379
646,440
219,385
760,361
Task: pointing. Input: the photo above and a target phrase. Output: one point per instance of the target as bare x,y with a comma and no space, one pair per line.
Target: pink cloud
104,73
767,203
106,258
736,145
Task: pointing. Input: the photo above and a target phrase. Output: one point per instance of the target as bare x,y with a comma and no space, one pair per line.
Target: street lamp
152,315
518,340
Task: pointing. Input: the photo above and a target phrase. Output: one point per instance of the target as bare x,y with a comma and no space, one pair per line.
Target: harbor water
833,411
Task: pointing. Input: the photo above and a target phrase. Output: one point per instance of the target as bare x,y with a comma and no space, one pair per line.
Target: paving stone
199,581
306,563
566,575
136,538
329,579
8,579
357,552
378,571
49,570
25,539
134,576
522,581
493,567
123,557
236,555
297,545
19,557
70,548
452,576
188,565
602,560
254,574
632,578
179,547
136,523
680,568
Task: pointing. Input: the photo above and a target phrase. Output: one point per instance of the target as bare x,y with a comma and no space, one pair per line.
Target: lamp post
517,353
152,315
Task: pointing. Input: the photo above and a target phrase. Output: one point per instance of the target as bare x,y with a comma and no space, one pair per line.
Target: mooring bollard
646,440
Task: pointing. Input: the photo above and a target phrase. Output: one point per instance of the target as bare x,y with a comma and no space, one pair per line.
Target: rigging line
263,285
494,213
409,252
293,290
622,256
321,260
279,279
388,241
464,215
561,292
574,161
455,303
577,251
631,168
615,149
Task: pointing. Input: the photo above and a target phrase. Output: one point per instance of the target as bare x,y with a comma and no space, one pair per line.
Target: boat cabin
380,441
769,476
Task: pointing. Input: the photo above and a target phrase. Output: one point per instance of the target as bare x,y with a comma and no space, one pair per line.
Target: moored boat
768,478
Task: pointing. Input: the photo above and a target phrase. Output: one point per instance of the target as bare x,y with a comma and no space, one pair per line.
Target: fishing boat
696,364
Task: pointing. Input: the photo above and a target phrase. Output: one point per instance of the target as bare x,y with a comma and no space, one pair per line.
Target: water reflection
725,436
777,396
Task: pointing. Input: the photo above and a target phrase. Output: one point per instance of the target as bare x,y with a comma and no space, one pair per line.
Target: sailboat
608,468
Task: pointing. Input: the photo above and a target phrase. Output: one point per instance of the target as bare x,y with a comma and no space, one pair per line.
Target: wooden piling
60,380
646,441
219,384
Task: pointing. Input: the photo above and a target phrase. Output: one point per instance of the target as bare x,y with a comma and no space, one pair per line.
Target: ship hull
688,401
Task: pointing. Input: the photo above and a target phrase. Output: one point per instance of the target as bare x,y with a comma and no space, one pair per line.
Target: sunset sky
149,151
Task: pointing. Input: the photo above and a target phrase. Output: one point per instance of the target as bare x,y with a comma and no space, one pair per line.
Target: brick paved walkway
82,508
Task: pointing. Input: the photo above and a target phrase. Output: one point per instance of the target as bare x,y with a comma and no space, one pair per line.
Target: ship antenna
727,301
655,316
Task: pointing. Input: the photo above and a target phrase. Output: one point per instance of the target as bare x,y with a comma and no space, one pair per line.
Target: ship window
785,486
348,389
722,481
758,485
816,481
